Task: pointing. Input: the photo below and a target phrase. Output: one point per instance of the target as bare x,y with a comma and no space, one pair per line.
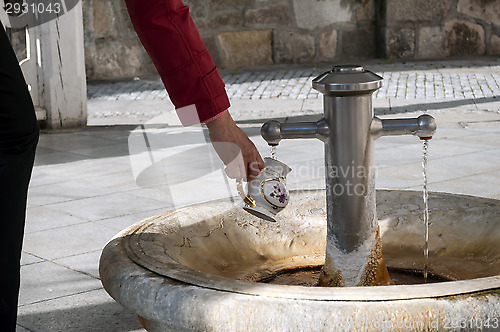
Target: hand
234,148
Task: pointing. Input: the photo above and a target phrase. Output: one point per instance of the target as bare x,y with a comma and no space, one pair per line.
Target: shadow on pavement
435,105
110,317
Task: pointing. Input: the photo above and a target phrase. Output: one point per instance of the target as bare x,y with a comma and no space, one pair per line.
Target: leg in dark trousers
18,139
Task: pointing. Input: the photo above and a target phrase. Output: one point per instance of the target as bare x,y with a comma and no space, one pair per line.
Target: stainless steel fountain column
349,129
350,177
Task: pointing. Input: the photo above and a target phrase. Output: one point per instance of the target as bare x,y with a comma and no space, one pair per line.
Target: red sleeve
187,70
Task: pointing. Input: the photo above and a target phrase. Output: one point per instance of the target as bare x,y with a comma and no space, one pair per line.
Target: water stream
273,151
425,145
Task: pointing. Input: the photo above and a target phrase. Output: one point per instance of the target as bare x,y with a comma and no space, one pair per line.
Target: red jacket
187,70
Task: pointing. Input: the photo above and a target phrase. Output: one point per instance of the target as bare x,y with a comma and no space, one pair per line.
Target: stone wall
436,29
247,33
112,48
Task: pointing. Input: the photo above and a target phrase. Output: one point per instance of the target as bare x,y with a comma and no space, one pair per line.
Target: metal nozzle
273,131
424,127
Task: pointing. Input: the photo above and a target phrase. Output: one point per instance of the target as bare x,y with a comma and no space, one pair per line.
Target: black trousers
18,140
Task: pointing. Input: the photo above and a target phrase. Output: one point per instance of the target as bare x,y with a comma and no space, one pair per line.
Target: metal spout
424,127
273,131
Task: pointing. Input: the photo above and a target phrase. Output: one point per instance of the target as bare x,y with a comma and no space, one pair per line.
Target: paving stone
87,263
46,281
67,241
41,218
27,259
88,311
117,224
20,328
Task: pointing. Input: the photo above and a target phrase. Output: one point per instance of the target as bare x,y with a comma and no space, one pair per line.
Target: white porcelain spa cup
267,193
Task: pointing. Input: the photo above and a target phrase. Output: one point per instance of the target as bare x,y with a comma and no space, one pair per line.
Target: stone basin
196,268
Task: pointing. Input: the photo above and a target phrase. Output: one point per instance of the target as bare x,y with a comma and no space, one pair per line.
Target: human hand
234,148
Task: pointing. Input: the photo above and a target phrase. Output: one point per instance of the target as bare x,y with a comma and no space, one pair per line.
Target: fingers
235,173
253,170
260,160
236,168
235,149
229,152
246,166
242,169
255,165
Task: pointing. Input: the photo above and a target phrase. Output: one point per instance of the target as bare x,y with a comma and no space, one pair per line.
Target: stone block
88,22
410,10
293,47
358,43
328,44
90,55
18,42
365,10
211,45
225,4
317,14
104,20
246,48
276,14
223,20
494,45
120,59
431,43
126,28
488,10
464,38
197,8
400,43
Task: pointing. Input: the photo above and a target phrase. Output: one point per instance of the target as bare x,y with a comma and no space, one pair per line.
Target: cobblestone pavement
444,81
